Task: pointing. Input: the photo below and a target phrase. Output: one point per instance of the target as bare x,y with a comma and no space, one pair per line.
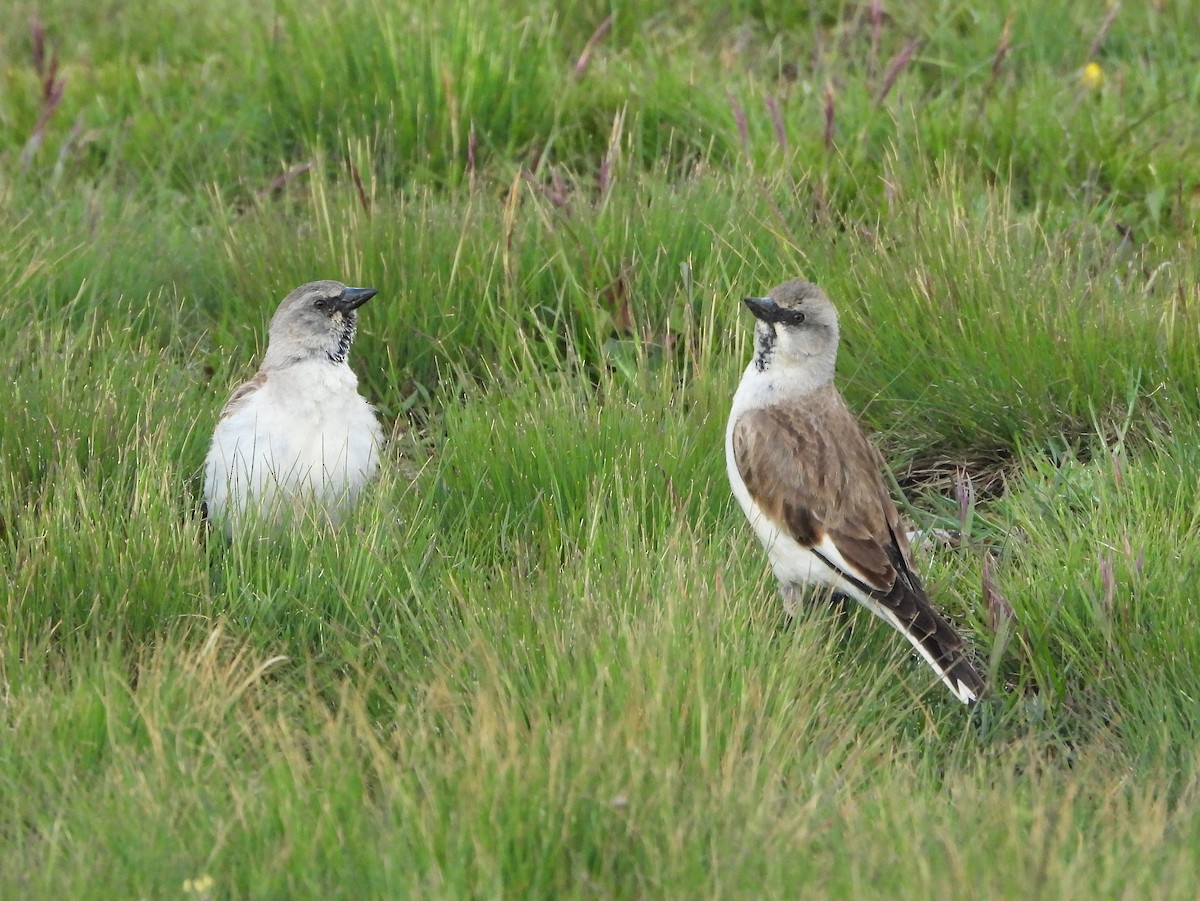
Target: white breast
305,440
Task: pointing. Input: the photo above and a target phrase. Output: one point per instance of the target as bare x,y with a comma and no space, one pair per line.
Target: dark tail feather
945,651
907,607
908,610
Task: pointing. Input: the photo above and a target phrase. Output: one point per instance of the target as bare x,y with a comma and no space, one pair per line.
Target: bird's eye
795,317
319,304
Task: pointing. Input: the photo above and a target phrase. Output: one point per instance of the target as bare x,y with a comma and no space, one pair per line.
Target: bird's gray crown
317,320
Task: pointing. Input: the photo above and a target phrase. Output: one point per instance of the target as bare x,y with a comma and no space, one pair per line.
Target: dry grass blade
1102,32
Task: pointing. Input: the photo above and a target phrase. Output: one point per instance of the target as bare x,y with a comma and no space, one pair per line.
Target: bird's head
316,321
797,324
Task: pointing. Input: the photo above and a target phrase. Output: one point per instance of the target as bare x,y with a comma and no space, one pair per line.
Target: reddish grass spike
472,145
876,35
52,89
1108,580
37,41
829,115
604,175
585,57
739,117
1002,48
896,66
777,120
560,191
616,298
52,85
358,185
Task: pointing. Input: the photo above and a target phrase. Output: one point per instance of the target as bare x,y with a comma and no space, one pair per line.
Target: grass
544,658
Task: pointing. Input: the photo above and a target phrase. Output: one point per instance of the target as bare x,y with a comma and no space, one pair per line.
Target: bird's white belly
286,452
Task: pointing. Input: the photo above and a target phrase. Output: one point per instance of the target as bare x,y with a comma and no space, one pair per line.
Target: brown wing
241,393
810,467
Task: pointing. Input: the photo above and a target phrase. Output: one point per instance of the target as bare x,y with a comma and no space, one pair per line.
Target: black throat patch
345,338
764,347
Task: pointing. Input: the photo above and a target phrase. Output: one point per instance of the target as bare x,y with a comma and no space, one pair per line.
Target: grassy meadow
545,658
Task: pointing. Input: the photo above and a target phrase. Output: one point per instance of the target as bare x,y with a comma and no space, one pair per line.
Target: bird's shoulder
812,443
243,394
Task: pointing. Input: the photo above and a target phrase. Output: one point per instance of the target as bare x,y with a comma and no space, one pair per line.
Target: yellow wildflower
1092,76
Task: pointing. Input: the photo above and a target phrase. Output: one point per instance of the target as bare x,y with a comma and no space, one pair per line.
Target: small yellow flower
1092,76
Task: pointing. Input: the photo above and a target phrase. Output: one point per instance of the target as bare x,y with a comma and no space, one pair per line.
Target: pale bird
811,483
297,439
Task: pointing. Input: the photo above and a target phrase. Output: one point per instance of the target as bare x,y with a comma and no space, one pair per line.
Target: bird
811,484
297,439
